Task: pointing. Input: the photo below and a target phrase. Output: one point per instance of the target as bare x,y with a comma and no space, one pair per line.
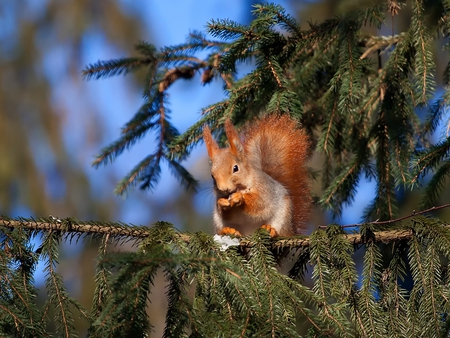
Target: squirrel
261,180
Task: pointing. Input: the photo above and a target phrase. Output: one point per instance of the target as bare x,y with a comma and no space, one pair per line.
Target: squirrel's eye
235,168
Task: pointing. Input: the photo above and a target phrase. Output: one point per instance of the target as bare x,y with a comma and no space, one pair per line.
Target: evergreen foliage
238,292
361,98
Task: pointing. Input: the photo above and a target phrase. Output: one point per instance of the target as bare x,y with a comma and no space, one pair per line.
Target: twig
391,220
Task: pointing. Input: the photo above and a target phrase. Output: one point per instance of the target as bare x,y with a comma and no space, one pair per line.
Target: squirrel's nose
226,190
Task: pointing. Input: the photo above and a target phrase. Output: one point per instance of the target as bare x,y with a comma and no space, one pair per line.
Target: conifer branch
392,220
381,42
423,57
430,159
330,132
274,72
70,226
436,184
174,74
121,231
109,68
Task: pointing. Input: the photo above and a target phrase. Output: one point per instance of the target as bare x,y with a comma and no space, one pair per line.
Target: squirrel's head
229,168
228,172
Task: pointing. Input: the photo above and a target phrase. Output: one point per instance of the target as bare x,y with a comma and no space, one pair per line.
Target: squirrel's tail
282,150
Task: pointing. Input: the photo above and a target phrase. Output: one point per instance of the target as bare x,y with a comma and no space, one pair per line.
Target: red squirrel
261,180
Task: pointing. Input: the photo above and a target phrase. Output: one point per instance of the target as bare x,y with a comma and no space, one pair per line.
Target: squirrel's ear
233,138
211,144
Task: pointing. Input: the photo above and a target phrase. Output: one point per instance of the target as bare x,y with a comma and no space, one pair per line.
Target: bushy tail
281,149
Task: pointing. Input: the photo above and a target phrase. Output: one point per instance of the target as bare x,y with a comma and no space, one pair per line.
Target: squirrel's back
280,148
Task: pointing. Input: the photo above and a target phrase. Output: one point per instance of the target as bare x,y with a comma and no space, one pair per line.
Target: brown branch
381,42
176,73
379,236
275,75
414,213
141,232
70,227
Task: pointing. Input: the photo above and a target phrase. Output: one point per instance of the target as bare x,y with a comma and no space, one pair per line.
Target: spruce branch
424,78
70,227
147,169
372,268
227,29
197,40
396,220
391,280
174,74
436,112
182,144
109,68
343,189
17,290
429,159
436,184
382,43
320,254
123,232
58,296
102,290
329,131
149,117
384,203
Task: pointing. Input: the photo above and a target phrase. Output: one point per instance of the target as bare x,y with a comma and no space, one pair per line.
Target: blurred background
53,123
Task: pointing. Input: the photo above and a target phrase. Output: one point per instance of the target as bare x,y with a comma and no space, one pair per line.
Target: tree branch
140,232
414,213
379,236
70,226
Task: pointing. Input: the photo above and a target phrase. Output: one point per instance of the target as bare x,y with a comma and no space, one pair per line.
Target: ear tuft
236,147
211,144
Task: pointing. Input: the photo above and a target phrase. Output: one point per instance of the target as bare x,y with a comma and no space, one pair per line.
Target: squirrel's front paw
224,203
229,231
234,200
272,231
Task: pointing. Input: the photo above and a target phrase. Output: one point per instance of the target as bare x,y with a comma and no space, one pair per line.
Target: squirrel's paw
236,199
224,203
272,231
233,200
229,231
